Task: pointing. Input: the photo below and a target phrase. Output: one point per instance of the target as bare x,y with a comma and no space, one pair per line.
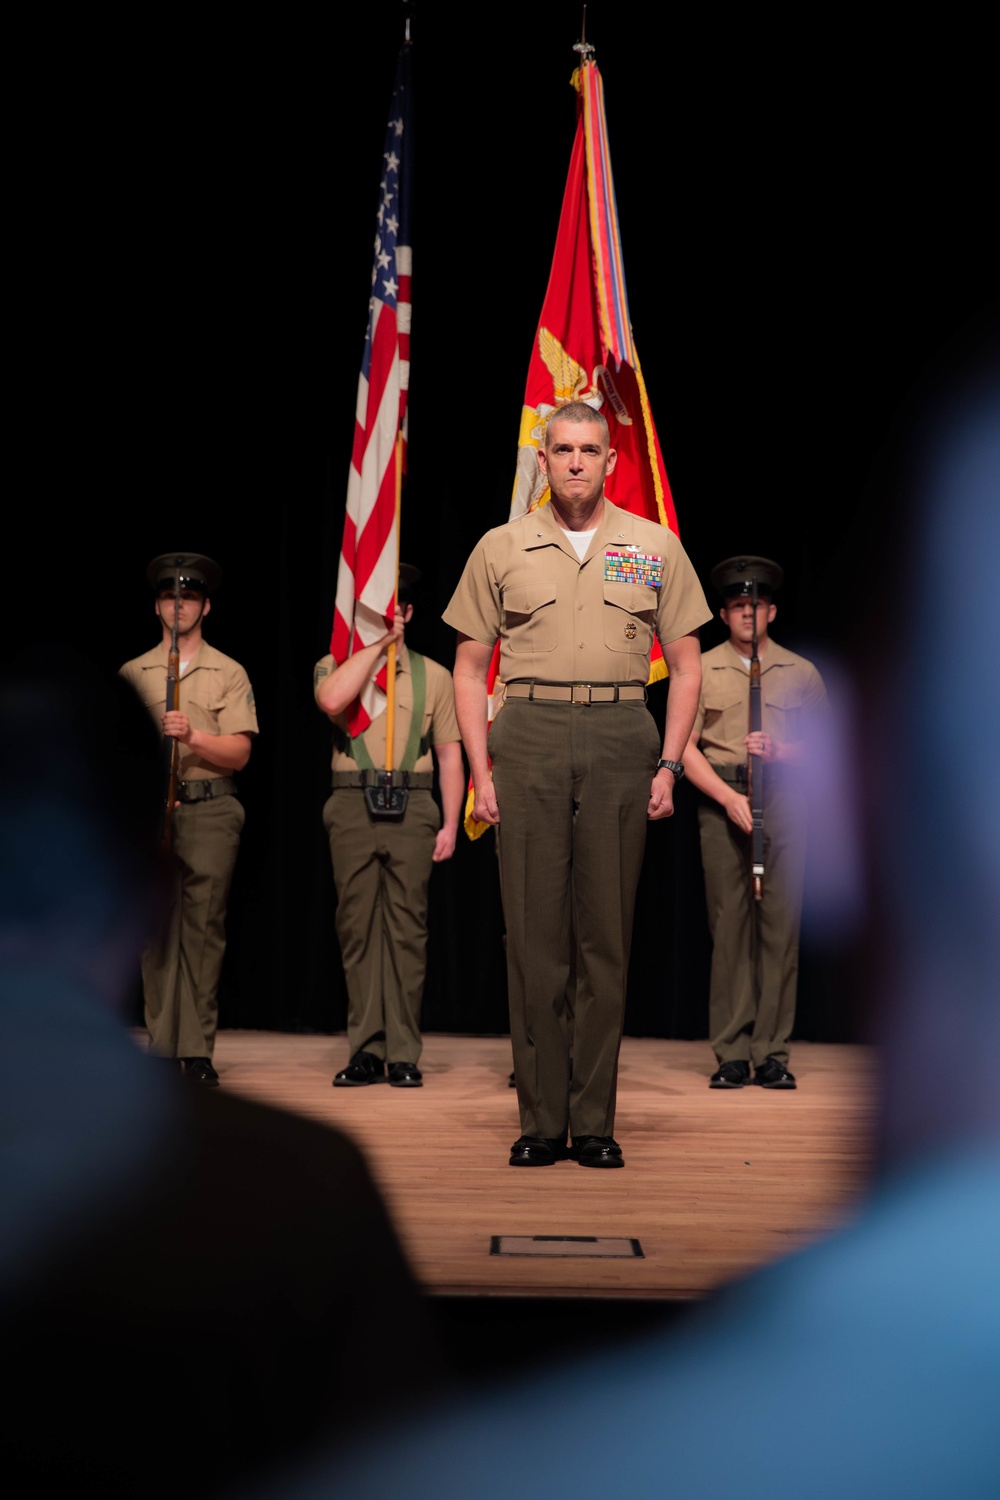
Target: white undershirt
581,540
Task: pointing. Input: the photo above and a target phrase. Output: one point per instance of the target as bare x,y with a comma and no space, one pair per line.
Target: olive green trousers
573,784
180,972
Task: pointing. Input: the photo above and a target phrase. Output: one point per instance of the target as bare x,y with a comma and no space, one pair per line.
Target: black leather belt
206,788
415,780
576,692
737,775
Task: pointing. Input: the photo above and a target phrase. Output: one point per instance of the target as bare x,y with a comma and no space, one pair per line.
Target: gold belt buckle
580,693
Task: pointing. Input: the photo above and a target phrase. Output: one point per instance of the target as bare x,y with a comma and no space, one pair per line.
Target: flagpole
390,673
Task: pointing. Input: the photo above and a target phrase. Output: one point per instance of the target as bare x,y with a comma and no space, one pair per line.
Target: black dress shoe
406,1076
512,1082
536,1151
732,1075
596,1151
201,1070
364,1067
773,1074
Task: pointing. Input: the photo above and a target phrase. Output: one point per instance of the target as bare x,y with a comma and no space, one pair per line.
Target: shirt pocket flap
719,700
634,598
525,599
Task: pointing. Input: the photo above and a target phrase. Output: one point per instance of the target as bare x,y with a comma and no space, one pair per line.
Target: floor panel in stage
715,1183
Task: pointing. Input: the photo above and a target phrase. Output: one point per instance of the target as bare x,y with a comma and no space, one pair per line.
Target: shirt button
581,645
579,606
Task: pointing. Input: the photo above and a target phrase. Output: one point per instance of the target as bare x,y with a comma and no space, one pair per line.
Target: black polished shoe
406,1076
512,1082
536,1151
731,1075
773,1074
596,1151
364,1067
201,1070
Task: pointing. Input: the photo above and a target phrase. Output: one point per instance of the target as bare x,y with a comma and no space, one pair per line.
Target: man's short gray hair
579,411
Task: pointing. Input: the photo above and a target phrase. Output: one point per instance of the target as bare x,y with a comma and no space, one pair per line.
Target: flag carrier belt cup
387,792
575,692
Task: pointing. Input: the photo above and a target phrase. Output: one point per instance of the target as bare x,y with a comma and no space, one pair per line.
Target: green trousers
382,871
180,973
572,785
755,944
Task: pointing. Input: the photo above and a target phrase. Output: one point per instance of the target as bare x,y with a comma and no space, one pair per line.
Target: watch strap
671,765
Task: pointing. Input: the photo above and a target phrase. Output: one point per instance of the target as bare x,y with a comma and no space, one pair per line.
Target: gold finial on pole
584,47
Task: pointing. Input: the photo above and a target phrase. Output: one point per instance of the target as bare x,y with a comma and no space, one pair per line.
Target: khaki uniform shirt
563,620
791,691
440,724
215,693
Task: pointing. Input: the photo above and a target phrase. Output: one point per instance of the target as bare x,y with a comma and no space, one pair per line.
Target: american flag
366,581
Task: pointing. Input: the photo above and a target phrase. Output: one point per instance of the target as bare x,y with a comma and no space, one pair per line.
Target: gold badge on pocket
630,631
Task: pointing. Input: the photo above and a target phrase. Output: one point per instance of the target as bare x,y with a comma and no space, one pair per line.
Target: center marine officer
214,727
575,592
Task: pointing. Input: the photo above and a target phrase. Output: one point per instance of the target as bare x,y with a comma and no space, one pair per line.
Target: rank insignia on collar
628,565
630,631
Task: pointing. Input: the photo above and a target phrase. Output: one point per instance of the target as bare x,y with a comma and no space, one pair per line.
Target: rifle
173,702
755,774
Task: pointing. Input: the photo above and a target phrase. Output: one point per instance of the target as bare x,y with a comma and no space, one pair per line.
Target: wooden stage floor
715,1182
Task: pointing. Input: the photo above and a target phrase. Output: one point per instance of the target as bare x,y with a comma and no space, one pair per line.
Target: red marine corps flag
369,557
584,349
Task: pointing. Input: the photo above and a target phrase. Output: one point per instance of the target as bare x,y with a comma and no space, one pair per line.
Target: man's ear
206,607
612,460
543,460
772,611
407,613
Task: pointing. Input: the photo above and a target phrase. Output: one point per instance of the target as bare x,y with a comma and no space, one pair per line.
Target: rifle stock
755,774
172,747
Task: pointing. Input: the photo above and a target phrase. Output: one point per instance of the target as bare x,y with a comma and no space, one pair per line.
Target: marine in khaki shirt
214,726
382,867
755,944
575,593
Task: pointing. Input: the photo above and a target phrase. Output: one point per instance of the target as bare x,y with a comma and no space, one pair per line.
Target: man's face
737,616
193,607
575,461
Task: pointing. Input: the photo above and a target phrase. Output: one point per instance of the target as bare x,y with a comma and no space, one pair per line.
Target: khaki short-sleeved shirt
215,693
562,620
791,691
440,723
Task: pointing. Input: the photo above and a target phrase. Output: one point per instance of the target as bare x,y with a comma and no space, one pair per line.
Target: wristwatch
671,765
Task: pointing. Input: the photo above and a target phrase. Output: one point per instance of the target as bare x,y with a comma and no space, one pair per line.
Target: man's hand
444,845
759,743
661,795
738,808
177,726
485,809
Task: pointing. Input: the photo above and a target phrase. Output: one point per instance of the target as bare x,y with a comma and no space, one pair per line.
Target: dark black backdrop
803,214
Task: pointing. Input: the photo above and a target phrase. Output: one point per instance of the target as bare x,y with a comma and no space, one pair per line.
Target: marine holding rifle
744,764
209,722
386,833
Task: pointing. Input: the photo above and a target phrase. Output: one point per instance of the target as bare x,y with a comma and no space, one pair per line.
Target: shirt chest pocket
629,612
203,702
727,711
781,712
529,619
